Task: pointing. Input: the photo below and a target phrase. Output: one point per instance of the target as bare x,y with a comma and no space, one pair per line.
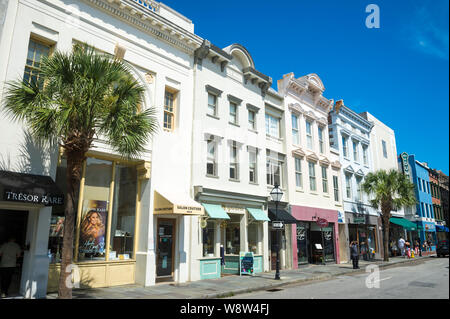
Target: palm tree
388,189
81,95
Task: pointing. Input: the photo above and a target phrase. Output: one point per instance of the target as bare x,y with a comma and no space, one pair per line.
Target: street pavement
236,285
425,280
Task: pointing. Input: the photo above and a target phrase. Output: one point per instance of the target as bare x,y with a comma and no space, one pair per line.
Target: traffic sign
277,225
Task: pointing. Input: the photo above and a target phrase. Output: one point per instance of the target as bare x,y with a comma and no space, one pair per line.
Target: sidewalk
232,285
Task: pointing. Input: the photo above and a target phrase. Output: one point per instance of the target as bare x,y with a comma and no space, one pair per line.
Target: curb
313,278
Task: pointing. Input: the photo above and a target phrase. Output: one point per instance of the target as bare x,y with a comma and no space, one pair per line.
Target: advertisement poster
93,227
57,226
246,263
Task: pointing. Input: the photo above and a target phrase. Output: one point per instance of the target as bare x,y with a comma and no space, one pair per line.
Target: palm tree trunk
386,235
73,174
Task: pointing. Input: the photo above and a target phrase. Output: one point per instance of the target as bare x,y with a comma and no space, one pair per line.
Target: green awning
258,214
406,224
215,211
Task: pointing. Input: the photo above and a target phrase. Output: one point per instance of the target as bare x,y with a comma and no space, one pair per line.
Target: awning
179,204
28,188
258,214
215,211
441,228
282,215
404,223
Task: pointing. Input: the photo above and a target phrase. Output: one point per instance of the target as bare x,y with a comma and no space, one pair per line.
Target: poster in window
93,227
57,226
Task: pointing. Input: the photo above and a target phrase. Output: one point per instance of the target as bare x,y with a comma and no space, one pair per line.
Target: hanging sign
246,260
322,222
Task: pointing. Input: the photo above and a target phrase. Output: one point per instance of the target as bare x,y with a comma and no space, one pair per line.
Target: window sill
213,116
276,139
253,183
234,180
168,130
234,124
212,176
337,204
300,190
313,193
253,131
326,195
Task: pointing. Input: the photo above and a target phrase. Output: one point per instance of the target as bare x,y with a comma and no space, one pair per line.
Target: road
426,280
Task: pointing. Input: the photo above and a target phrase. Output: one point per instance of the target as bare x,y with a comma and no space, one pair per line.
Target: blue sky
398,72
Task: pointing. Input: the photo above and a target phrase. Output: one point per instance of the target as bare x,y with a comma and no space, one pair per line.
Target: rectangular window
253,230
211,165
36,51
298,172
419,183
233,113
336,188
169,112
422,207
234,165
309,138
252,166
312,177
208,235
428,212
348,186
344,146
212,104
251,120
384,149
324,180
365,159
274,169
321,144
295,133
355,151
358,189
428,187
272,126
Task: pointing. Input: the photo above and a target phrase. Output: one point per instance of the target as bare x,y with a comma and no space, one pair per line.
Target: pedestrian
9,252
394,249
354,255
408,250
429,244
416,247
420,247
364,250
401,246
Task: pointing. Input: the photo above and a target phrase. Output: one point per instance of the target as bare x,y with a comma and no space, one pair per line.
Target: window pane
208,234
253,237
124,212
233,235
95,210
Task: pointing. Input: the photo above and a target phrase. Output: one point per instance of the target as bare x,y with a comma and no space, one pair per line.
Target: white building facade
350,134
141,247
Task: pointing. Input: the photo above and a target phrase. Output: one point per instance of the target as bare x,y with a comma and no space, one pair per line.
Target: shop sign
322,222
234,210
277,225
405,164
359,220
246,260
341,217
47,200
301,233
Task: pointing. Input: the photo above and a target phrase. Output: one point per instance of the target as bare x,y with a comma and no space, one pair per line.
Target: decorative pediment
312,157
359,173
336,165
310,115
298,152
349,170
322,120
296,108
324,161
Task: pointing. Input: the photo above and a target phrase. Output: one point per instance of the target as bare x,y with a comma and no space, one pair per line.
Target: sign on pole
277,225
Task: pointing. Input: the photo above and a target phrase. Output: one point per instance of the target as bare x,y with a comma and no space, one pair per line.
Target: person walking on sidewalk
354,254
9,252
401,246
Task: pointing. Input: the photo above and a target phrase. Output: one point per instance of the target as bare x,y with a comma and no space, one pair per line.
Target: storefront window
302,243
253,237
123,212
94,213
233,234
328,241
208,239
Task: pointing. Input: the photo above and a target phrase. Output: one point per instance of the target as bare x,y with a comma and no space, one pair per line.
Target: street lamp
276,195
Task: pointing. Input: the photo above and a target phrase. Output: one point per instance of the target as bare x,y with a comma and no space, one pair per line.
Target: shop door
165,248
328,240
14,224
302,243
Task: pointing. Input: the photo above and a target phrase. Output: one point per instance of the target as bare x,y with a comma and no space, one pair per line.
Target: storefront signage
277,225
341,217
359,220
405,164
234,210
322,222
47,200
246,260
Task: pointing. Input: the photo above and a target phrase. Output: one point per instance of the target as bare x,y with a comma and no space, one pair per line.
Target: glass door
165,247
328,240
302,243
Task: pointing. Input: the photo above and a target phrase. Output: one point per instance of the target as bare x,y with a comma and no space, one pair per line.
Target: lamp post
276,195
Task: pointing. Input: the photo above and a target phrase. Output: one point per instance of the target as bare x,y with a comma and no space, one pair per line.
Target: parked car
442,248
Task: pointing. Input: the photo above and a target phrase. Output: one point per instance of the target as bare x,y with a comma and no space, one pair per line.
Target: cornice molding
324,161
298,152
296,108
150,22
312,157
336,164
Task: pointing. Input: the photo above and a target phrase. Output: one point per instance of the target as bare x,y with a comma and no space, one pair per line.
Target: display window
233,234
208,235
105,227
253,231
